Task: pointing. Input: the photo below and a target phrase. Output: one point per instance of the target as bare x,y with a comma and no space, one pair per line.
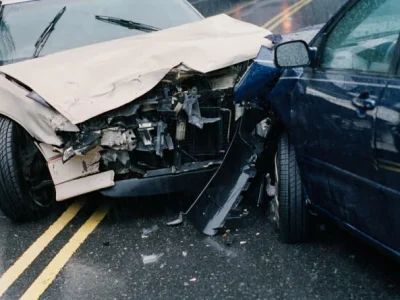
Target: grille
213,138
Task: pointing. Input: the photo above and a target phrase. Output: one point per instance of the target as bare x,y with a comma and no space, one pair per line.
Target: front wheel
26,189
291,214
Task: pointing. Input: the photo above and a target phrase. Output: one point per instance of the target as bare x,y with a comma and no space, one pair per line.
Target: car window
365,39
21,24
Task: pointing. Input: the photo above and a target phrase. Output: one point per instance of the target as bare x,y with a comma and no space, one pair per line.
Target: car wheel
291,215
26,188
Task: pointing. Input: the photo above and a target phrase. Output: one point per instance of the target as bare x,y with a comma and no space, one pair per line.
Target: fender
39,121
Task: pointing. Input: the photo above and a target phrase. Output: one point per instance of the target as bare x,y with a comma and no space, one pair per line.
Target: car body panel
323,118
85,82
40,121
388,163
348,156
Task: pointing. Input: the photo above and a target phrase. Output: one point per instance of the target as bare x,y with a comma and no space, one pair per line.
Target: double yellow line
287,13
47,276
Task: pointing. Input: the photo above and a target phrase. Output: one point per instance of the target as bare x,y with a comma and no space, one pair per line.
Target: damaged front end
169,140
194,132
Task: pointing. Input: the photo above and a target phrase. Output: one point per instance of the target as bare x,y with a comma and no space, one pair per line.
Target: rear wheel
26,189
291,214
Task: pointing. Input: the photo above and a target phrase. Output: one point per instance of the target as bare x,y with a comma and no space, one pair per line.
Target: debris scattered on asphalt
227,238
257,233
245,212
185,283
147,231
149,259
184,253
194,279
177,221
243,242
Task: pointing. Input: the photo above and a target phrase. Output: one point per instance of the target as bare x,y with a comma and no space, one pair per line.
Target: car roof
7,2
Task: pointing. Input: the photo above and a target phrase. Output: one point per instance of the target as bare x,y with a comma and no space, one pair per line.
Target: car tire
292,217
22,168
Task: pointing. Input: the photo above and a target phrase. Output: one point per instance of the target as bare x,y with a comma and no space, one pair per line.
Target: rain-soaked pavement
133,254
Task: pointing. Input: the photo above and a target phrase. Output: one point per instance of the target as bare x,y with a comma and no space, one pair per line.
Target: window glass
21,24
365,39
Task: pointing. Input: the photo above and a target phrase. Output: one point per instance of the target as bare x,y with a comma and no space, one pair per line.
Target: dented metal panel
84,185
76,167
85,82
40,121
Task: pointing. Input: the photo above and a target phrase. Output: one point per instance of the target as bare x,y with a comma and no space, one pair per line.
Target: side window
365,38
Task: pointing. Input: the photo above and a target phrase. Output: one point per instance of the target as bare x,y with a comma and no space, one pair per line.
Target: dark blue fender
259,79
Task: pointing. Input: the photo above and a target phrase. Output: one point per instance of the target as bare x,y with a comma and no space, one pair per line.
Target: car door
334,108
388,162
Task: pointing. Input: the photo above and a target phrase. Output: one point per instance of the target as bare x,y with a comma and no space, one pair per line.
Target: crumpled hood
85,82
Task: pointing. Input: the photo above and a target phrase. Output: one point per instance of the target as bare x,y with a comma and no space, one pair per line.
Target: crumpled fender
39,121
259,79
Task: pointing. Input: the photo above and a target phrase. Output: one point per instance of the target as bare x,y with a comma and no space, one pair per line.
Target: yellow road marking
48,275
389,168
279,17
22,263
240,7
289,14
389,162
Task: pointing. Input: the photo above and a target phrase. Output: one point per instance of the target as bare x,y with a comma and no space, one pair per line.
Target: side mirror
292,54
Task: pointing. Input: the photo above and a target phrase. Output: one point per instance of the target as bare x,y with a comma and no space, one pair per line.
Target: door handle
364,102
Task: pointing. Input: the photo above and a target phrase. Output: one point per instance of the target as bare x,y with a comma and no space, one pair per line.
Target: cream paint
38,120
85,82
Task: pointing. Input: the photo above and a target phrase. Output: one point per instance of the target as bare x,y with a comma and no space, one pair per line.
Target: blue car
335,138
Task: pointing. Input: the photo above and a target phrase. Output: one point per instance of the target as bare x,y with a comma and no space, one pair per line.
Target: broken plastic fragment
147,231
194,279
149,259
192,108
243,242
177,221
184,253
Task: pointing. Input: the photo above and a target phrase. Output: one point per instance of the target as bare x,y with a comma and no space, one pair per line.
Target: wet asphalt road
247,263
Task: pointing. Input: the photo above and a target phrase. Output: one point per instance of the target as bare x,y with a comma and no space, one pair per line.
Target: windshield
23,23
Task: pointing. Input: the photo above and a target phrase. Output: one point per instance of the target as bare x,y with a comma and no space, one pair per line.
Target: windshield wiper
127,24
42,40
1,10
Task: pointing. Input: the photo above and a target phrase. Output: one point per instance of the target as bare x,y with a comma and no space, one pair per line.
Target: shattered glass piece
177,221
192,108
150,259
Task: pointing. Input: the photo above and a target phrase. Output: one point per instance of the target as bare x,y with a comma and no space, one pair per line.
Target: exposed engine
187,118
